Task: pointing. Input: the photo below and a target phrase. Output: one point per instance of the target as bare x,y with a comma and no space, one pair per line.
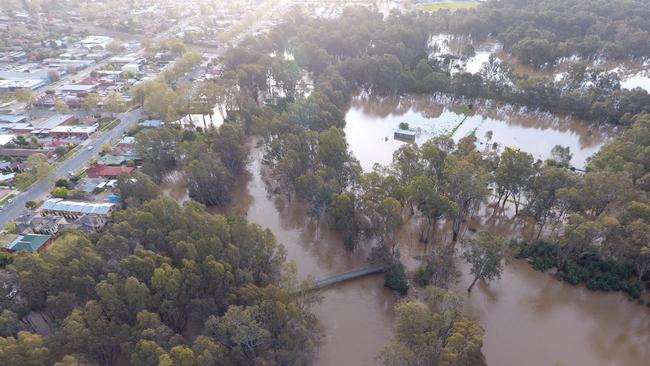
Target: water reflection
370,123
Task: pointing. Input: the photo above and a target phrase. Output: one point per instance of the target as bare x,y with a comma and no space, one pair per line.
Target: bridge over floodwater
347,276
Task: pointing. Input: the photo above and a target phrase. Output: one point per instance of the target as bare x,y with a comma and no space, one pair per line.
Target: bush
395,278
60,192
542,254
5,259
574,273
62,183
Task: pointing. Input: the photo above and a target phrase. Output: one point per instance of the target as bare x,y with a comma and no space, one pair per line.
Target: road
82,158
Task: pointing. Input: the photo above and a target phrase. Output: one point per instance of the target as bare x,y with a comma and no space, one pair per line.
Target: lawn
452,6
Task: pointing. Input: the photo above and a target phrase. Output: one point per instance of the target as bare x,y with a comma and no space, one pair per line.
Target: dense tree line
164,285
539,32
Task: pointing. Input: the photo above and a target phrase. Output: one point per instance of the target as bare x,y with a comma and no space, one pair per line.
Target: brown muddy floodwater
530,318
371,122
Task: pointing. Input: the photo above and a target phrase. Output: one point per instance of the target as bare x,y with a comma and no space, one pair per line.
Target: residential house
113,160
90,223
108,171
75,209
30,243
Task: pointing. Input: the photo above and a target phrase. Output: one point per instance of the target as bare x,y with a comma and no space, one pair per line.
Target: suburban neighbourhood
66,111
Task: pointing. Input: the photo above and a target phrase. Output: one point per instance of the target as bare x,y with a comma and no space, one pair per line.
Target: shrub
60,192
395,278
574,273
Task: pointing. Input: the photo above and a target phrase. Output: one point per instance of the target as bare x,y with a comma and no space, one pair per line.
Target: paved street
81,159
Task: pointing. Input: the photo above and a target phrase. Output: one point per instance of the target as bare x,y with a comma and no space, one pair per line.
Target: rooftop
30,243
58,204
12,118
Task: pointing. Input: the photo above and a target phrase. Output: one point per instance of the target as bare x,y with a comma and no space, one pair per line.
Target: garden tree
209,181
115,46
114,103
137,188
433,331
26,96
38,168
60,192
53,75
158,149
513,175
91,102
61,106
485,255
27,349
8,323
465,181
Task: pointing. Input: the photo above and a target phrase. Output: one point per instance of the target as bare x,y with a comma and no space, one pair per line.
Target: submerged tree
485,255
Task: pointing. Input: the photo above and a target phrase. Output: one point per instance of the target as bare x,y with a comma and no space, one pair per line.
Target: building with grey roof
75,209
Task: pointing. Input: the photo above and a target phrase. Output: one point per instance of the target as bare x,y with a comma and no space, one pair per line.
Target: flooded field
638,80
370,125
452,50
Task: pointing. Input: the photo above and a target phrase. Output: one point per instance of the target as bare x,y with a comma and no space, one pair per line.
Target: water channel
530,318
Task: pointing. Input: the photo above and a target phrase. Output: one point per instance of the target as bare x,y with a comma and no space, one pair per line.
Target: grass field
452,6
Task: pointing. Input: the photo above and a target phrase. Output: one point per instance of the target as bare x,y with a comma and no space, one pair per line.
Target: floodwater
446,45
638,80
530,318
371,122
357,317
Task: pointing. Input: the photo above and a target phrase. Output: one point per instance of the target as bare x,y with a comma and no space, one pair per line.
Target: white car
89,147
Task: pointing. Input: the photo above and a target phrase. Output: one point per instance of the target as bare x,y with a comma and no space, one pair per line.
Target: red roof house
108,171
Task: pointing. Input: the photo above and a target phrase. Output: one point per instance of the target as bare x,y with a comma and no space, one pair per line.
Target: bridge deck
342,277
